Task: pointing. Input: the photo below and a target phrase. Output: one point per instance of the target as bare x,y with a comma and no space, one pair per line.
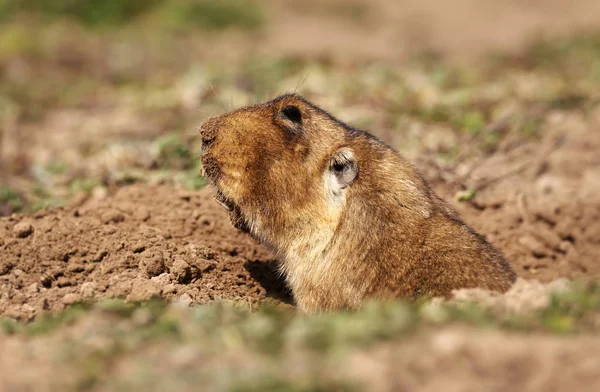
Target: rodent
348,217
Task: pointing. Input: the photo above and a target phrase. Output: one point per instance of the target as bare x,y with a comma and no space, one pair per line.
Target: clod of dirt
112,216
152,264
162,279
71,298
88,289
23,229
142,290
181,271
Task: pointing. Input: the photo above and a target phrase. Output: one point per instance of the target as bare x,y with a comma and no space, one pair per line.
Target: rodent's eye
338,167
292,113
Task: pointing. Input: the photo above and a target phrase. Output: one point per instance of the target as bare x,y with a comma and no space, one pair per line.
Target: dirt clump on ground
146,241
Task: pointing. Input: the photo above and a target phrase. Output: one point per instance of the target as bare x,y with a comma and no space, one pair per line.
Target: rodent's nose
207,126
208,132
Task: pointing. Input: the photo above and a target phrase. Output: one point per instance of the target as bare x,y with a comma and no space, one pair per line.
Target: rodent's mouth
210,169
212,172
236,216
224,201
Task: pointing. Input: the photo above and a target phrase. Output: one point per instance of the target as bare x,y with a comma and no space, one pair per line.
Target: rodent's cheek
230,181
210,168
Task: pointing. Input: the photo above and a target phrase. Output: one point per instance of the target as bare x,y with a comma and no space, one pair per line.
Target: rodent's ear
292,113
343,169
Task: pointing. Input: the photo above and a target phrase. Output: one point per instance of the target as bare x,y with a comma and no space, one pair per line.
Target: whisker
300,82
217,97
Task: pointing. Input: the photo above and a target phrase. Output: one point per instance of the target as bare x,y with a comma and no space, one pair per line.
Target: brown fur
385,234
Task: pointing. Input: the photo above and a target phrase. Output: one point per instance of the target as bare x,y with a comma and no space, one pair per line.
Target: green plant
213,15
11,197
171,152
86,12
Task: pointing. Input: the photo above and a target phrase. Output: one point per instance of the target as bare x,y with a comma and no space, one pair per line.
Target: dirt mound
540,201
145,241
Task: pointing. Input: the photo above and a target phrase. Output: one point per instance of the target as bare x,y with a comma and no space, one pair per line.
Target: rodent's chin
238,221
236,217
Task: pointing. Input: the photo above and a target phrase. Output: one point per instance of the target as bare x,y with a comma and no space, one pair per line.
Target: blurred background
497,102
98,94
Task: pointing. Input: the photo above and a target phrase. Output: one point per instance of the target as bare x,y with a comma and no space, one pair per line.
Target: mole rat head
279,165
